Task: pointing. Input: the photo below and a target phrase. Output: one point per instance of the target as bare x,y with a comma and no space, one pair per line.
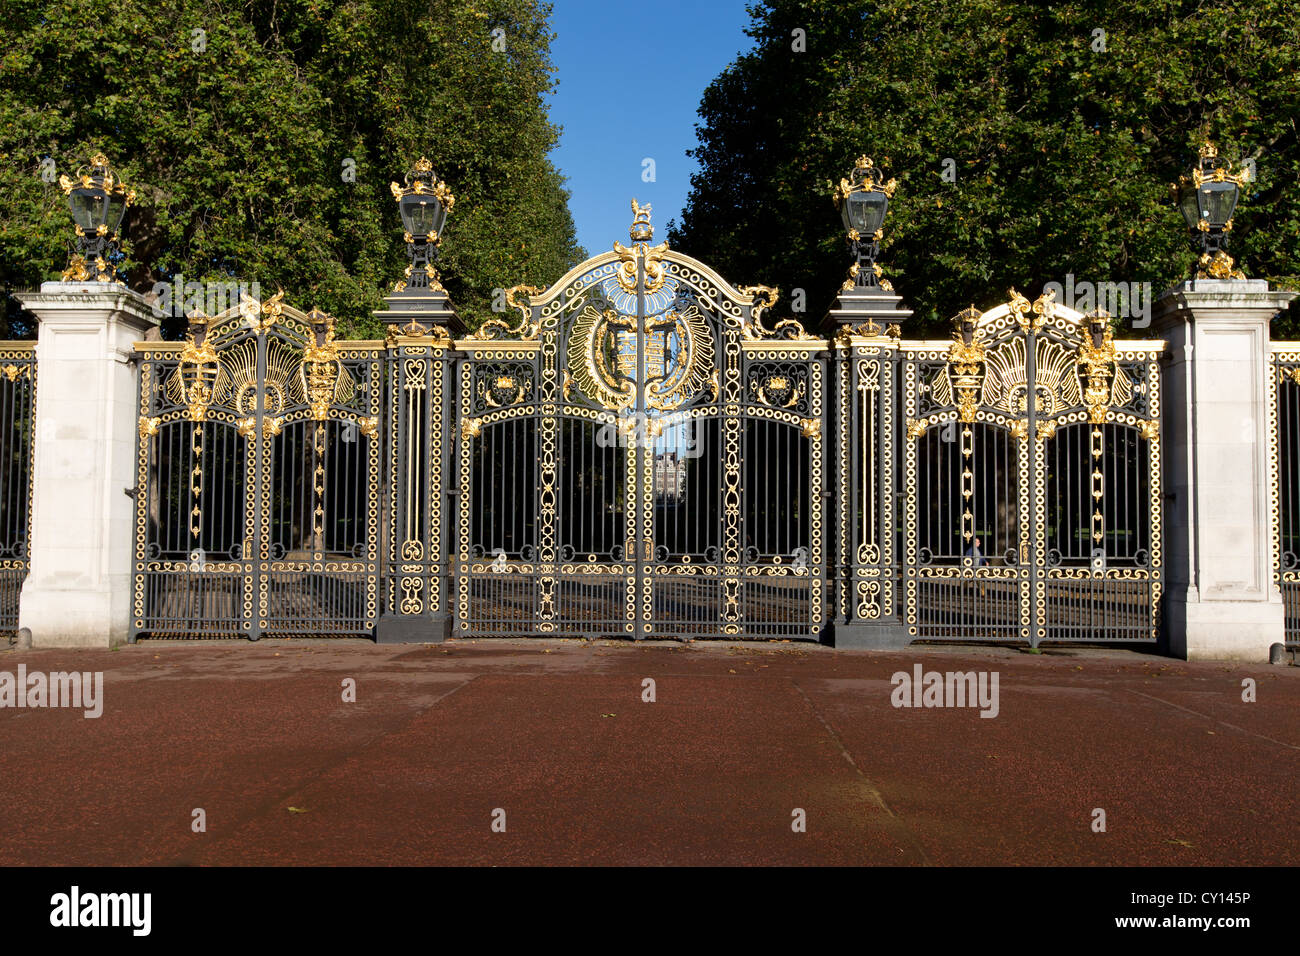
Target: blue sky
629,80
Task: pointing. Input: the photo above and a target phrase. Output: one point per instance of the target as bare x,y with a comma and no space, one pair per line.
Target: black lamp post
863,201
424,204
97,199
1207,198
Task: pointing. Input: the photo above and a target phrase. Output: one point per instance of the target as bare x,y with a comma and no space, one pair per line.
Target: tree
261,136
1063,125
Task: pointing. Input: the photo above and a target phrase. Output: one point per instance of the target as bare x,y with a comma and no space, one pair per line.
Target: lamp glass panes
864,211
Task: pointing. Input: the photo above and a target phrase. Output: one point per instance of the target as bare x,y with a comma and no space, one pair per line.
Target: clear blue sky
629,80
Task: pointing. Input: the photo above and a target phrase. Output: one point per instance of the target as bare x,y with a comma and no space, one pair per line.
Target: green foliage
1063,153
237,150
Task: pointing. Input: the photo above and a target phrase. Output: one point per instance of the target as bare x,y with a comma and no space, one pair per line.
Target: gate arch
1031,475
673,482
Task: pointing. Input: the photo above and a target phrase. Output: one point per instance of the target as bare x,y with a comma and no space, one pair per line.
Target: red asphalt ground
557,735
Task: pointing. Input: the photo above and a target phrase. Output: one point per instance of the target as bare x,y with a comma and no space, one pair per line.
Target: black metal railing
760,483
1284,447
1031,482
258,488
17,440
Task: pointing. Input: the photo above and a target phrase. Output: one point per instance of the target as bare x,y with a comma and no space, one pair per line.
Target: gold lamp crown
866,177
421,181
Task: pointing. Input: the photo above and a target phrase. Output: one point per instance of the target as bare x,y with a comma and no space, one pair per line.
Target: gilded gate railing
863,463
258,478
1284,479
515,481
639,453
1031,479
693,506
419,511
1004,485
17,435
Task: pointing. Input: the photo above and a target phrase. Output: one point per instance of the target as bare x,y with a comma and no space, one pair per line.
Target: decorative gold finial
641,230
422,165
964,324
1209,150
323,324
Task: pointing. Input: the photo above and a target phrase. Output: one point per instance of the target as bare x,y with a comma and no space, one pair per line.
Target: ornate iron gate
258,482
640,456
1031,477
1284,449
17,418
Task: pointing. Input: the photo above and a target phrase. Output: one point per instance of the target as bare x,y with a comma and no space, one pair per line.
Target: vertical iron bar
1031,437
253,502
641,433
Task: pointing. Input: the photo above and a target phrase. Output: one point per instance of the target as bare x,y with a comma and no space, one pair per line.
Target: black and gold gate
1284,455
640,456
17,438
258,478
1031,479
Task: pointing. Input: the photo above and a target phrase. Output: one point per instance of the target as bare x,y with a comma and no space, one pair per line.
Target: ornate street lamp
97,199
863,201
1207,198
424,204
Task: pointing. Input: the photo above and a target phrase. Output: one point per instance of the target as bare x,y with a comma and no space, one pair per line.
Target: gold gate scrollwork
259,387
711,366
1082,413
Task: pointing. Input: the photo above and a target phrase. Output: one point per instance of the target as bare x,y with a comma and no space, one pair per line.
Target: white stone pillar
78,589
1221,600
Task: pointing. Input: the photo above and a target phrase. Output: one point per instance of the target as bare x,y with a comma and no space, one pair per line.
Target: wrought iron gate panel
421,375
501,497
1097,556
970,474
783,491
258,478
1031,474
688,592
595,491
677,479
17,436
863,538
1284,452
